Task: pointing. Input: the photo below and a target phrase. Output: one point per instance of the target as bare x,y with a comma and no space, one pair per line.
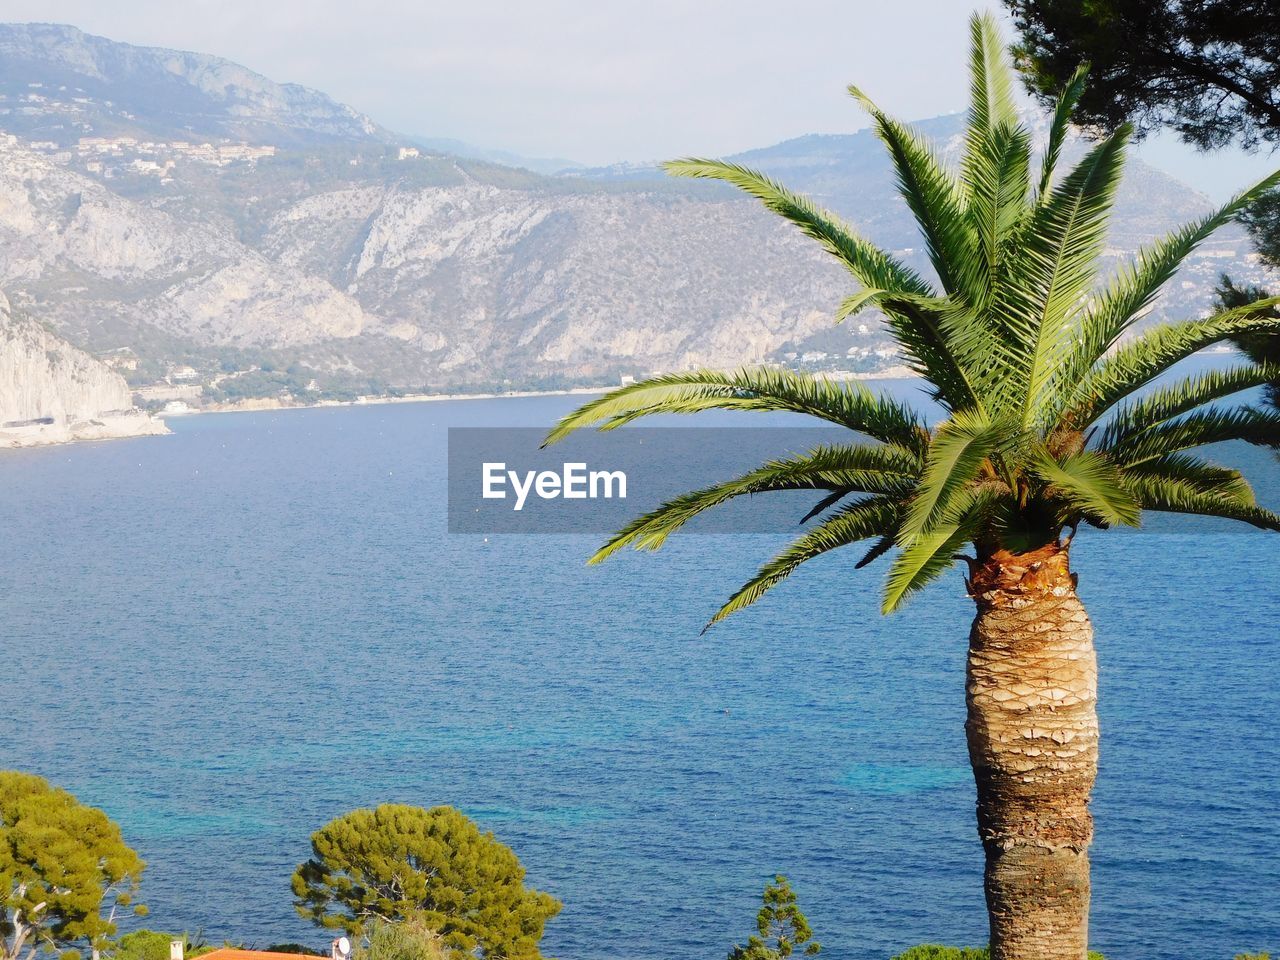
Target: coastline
135,423
261,404
48,432
272,404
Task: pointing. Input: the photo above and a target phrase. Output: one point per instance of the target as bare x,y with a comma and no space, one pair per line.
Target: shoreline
138,424
270,404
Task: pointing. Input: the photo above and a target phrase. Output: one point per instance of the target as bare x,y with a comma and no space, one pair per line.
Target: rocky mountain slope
51,392
58,83
349,266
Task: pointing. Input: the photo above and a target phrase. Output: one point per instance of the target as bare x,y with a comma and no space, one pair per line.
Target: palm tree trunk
1031,690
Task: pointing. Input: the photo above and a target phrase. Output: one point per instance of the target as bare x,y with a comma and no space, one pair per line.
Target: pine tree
65,870
433,867
781,927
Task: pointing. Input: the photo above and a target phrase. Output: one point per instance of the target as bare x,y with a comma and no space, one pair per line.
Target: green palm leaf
1059,127
997,197
849,404
1038,297
1089,483
1198,429
1167,495
1200,474
960,448
927,556
872,517
990,79
1140,361
1163,405
844,469
1138,284
935,199
869,264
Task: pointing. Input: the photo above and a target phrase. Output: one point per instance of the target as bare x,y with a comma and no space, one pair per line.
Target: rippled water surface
227,636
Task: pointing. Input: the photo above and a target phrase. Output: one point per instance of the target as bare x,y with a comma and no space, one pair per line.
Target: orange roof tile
231,953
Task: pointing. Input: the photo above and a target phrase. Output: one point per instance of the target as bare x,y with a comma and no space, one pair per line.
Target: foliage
64,869
143,945
1211,71
407,940
147,944
1033,357
1263,220
931,951
1261,348
399,862
1253,956
781,927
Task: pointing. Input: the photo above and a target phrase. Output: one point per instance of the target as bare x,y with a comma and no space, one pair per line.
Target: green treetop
434,867
64,870
782,927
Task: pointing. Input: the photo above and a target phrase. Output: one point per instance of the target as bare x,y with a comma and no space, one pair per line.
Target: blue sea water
228,636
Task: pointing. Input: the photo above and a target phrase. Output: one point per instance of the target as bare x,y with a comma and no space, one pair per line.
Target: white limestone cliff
50,392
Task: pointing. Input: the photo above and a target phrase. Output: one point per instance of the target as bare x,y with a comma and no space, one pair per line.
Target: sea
228,636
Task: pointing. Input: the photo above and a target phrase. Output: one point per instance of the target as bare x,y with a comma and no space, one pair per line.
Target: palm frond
888,471
997,153
1166,403
826,503
872,517
1199,474
926,557
932,332
1089,483
1056,267
1198,429
848,404
1138,362
956,456
990,79
1167,495
997,183
878,549
1060,126
1137,285
870,265
935,199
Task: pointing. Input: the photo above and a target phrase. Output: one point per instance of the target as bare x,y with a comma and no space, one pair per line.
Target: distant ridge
317,255
60,84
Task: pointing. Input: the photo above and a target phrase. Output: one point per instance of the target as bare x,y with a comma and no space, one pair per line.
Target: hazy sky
591,81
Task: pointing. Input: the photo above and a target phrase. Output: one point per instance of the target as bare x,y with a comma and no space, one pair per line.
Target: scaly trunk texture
1031,690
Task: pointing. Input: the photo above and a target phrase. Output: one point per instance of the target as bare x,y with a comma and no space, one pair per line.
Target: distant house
408,153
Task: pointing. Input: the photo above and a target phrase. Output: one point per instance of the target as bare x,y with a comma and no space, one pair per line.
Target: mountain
424,271
297,263
51,392
59,84
507,158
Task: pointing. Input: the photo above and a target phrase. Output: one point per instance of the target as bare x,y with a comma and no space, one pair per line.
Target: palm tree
1046,427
